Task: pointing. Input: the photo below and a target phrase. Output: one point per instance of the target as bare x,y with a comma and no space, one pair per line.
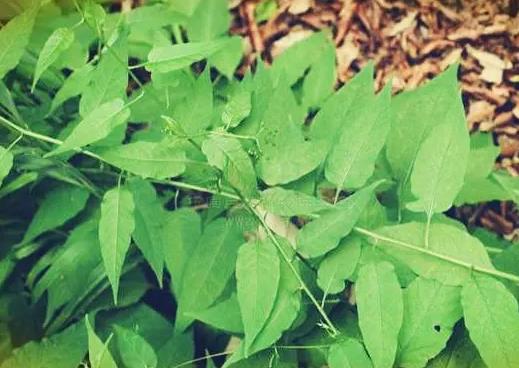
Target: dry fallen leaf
407,22
299,6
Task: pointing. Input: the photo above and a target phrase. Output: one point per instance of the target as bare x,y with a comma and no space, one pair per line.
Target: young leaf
286,202
116,226
430,311
6,163
95,126
181,231
449,259
210,20
135,351
14,37
158,160
98,352
348,354
223,316
351,161
62,350
257,276
209,268
323,234
149,217
338,265
439,170
237,108
380,309
228,155
492,319
56,44
59,205
109,78
73,86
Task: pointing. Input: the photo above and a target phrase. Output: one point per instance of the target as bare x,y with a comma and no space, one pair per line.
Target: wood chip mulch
411,42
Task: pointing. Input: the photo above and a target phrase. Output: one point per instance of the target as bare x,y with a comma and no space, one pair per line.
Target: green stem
443,257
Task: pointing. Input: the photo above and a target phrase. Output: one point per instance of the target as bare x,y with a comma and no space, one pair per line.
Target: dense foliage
155,208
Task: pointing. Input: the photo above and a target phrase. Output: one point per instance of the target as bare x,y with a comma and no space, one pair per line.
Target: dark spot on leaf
437,328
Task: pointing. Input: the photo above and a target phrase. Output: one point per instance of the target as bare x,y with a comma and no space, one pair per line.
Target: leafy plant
157,206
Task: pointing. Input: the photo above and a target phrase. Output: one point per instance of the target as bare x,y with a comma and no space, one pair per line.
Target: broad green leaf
116,226
135,351
351,160
228,155
149,218
14,38
95,16
164,59
333,114
285,154
492,319
319,82
257,276
62,350
224,316
73,86
237,108
459,353
338,265
181,231
228,59
482,156
380,308
6,163
414,114
324,234
158,160
348,354
109,78
98,352
58,206
439,170
178,349
430,311
56,44
509,183
286,202
95,126
209,269
449,259
210,20
482,190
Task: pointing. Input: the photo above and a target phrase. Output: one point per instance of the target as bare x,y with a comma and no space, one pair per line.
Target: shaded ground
411,42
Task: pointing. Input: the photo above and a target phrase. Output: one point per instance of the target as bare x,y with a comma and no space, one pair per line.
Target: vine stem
396,242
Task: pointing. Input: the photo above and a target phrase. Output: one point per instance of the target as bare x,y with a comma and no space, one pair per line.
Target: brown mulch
411,42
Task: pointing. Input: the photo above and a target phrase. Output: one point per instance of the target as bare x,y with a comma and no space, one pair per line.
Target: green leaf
14,38
258,276
149,218
439,169
351,161
460,353
430,311
73,86
237,108
95,126
58,206
228,59
286,202
59,41
6,163
210,20
348,354
228,155
181,231
338,265
264,10
482,156
98,352
319,82
209,269
449,259
509,183
223,316
158,160
116,226
109,78
164,59
324,234
134,350
492,319
63,350
380,309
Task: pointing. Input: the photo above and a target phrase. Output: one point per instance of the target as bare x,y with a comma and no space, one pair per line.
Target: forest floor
410,42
